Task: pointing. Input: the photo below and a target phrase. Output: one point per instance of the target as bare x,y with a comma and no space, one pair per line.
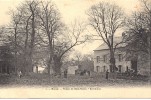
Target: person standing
65,73
107,74
88,73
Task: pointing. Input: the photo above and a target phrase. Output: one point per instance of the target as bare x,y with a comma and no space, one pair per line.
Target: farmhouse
123,61
102,57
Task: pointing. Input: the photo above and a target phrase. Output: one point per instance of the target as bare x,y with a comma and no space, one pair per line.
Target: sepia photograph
75,49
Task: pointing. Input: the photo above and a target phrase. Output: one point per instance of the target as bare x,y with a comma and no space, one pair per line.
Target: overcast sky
71,10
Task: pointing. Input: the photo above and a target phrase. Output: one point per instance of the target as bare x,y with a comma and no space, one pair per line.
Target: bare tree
137,35
50,24
139,31
74,37
57,38
23,25
147,10
78,57
106,19
14,30
37,26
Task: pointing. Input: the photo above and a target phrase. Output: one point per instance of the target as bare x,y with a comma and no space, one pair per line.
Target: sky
71,10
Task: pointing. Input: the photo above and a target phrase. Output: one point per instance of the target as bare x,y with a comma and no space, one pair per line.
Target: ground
43,80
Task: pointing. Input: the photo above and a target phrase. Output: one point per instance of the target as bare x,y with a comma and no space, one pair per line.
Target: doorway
97,68
111,68
120,68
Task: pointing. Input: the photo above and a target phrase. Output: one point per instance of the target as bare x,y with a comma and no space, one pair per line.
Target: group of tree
83,60
107,18
36,32
139,30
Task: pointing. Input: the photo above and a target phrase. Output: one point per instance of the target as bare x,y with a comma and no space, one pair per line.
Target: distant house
102,57
74,66
38,69
72,69
123,61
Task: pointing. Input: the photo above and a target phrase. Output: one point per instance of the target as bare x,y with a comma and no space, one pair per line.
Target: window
104,68
127,68
120,57
98,59
104,58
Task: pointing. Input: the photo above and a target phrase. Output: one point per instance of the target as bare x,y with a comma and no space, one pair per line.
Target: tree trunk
150,51
32,39
24,64
16,50
57,65
49,65
57,68
50,56
112,61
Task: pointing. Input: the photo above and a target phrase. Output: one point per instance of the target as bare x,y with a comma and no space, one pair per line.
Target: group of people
130,72
65,73
107,75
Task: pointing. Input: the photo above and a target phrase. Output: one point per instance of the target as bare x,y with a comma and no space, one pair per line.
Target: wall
71,69
143,65
101,53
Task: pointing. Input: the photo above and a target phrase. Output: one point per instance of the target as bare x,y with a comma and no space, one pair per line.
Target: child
20,74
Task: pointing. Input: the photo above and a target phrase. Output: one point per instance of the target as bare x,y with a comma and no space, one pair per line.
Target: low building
72,69
38,69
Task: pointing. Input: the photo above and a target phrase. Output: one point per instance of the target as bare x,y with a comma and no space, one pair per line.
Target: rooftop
116,40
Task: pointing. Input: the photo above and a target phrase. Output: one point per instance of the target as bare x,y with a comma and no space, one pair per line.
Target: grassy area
72,80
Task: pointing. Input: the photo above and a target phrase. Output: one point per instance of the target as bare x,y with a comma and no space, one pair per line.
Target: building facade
102,58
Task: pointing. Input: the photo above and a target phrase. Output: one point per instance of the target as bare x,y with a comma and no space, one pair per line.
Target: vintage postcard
75,48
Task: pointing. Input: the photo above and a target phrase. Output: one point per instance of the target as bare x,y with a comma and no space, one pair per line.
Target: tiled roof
116,40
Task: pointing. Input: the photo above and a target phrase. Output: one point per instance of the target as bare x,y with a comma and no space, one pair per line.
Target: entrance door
104,68
97,68
119,68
